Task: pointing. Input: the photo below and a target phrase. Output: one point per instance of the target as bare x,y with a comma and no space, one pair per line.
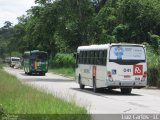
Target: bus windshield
39,56
14,59
127,54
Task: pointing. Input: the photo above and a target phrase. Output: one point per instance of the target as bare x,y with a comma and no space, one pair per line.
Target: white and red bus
112,66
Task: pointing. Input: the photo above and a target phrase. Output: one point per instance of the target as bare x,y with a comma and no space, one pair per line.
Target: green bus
35,62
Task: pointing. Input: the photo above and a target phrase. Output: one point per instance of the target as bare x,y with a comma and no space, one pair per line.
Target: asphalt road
141,101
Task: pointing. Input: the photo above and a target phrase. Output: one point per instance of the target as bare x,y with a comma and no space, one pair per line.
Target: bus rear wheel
29,73
43,73
80,83
126,90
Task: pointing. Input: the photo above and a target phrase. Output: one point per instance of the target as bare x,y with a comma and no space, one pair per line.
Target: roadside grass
28,103
2,65
69,72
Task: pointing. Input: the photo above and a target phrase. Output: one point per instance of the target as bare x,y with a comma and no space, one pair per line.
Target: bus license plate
126,84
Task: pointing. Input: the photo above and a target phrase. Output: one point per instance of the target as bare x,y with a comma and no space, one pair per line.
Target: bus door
94,72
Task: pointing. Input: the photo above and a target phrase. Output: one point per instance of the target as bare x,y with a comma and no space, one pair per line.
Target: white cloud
11,9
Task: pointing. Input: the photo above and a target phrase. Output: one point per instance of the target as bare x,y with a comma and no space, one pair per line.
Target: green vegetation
1,66
63,64
17,98
71,23
60,26
62,60
69,72
153,61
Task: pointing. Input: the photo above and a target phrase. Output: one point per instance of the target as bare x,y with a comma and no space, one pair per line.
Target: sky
11,9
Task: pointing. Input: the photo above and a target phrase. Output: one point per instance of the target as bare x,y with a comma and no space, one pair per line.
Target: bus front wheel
126,90
80,83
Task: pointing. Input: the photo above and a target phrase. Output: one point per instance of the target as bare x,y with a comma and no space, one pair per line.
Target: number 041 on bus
112,66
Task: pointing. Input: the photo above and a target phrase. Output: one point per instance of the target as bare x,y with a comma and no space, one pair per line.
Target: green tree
6,36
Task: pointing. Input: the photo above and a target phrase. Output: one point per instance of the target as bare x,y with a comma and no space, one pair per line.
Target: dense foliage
60,26
153,60
63,25
62,59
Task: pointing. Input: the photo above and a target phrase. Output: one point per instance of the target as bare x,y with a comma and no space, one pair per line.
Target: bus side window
88,57
85,57
80,57
24,56
95,57
98,62
92,57
77,59
104,57
101,58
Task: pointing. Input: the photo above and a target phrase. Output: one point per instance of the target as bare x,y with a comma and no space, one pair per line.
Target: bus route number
126,70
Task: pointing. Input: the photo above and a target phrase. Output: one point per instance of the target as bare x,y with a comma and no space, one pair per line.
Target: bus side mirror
75,55
76,66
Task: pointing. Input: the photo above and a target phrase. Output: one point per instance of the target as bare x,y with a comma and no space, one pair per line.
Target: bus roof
15,58
34,51
105,46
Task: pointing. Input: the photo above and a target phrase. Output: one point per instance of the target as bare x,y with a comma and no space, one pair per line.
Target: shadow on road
46,80
23,74
40,78
101,92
